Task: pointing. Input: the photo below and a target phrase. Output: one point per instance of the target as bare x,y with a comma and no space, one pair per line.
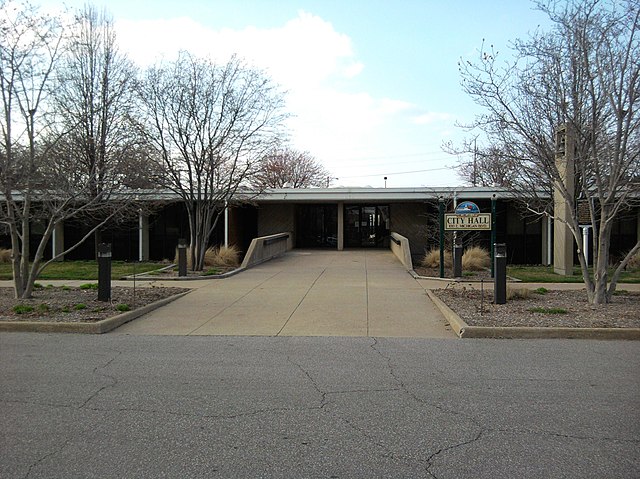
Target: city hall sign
467,217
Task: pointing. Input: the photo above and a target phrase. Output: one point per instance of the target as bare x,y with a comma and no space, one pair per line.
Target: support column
340,226
585,243
143,237
226,224
57,240
562,236
546,240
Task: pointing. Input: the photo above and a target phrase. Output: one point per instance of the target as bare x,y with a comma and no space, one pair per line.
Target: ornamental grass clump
5,255
227,256
475,259
431,259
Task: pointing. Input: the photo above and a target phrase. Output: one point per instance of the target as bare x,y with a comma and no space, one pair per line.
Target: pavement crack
58,450
323,394
112,380
449,448
413,395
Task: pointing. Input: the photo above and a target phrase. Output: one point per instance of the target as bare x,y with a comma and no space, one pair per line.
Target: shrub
5,255
541,291
22,308
222,256
475,259
431,259
43,308
123,307
89,286
80,306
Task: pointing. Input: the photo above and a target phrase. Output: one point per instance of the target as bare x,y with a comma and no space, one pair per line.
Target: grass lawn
84,269
545,274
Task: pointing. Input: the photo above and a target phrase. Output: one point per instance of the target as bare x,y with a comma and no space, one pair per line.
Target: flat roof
325,195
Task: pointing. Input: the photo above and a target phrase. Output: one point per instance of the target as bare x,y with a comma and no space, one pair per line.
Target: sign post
441,217
467,217
493,234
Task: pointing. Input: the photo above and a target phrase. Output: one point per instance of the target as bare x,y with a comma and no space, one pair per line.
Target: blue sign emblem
467,207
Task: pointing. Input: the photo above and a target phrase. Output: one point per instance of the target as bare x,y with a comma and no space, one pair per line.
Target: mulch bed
622,312
71,304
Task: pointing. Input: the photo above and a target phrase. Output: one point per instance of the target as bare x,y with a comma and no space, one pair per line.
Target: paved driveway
305,293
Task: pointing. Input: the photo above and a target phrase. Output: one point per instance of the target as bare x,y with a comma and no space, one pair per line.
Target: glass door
366,226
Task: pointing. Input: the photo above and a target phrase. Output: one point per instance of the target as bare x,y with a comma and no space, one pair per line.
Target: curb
461,279
149,277
463,330
99,327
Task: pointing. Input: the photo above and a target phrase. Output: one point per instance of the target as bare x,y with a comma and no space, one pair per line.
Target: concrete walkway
305,293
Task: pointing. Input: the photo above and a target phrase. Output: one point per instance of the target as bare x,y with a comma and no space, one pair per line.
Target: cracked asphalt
326,407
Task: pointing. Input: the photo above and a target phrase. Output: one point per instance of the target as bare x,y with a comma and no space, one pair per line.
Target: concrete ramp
306,293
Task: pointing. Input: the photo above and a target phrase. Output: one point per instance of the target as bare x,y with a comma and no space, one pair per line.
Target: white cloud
433,117
313,62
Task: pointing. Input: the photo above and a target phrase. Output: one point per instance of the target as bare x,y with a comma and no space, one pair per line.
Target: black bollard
500,273
457,258
182,257
104,272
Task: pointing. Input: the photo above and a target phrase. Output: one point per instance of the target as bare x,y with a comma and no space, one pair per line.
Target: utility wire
395,173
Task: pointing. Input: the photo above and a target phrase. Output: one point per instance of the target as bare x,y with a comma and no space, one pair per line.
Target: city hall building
335,218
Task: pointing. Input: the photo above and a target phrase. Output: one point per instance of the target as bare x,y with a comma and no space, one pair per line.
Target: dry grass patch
221,256
228,256
431,259
518,293
5,255
475,259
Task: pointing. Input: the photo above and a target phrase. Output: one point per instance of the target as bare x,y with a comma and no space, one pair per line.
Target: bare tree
100,136
290,168
35,189
487,167
584,73
211,124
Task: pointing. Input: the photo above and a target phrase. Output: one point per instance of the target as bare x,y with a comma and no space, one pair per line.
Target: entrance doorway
317,226
366,226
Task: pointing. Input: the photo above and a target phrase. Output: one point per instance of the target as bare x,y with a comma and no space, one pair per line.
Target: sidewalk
305,293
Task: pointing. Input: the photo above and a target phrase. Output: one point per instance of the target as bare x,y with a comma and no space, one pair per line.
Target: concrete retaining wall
265,248
401,248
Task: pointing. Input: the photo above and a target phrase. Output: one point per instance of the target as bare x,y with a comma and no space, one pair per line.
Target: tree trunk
601,264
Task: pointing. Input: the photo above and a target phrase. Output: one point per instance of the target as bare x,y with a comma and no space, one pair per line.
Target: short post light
500,276
182,257
104,272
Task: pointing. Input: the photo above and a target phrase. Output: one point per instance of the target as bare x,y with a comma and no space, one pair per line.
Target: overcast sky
373,85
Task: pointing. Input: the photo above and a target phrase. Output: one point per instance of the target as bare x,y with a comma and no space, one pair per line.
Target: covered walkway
305,293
